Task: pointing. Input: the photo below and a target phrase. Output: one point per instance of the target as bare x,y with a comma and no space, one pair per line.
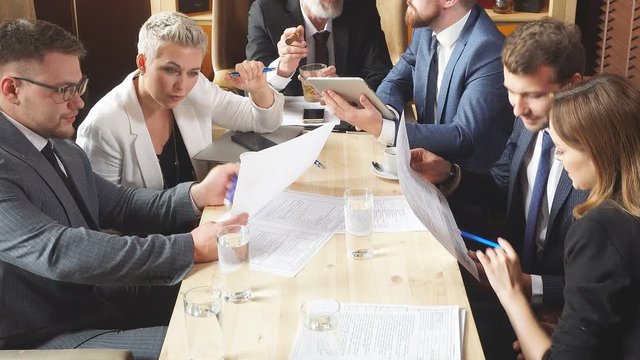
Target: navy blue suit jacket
500,189
474,115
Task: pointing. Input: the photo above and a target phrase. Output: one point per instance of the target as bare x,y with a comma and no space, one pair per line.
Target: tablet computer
351,88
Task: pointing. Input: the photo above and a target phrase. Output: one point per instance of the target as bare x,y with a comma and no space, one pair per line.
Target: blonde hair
601,117
170,27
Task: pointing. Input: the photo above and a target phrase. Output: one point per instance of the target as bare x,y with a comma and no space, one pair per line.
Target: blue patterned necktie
432,85
539,190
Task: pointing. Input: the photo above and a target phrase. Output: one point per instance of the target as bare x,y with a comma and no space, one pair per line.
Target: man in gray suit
63,283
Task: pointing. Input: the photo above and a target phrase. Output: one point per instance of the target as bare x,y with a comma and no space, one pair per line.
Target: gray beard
322,11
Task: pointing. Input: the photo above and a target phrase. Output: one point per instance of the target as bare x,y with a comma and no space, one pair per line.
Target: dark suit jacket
359,43
55,274
474,115
500,190
601,315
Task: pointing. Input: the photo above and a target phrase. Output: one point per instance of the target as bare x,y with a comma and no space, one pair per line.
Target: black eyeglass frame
67,91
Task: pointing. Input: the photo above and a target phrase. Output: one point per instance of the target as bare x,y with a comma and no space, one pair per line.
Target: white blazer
117,141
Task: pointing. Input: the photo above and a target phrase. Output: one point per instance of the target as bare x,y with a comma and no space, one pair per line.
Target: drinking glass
358,220
233,255
320,327
310,70
202,322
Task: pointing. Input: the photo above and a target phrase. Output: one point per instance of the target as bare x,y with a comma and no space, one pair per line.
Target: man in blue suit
453,73
539,59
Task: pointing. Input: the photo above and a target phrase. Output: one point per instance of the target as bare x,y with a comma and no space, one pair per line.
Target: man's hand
213,188
205,238
430,166
291,54
253,80
368,119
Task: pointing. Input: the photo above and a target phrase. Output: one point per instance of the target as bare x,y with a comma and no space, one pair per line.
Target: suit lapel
340,44
461,43
73,166
143,147
15,143
422,72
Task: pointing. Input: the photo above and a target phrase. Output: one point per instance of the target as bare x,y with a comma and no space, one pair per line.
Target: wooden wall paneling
619,39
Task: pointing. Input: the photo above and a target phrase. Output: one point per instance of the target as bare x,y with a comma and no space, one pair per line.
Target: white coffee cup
389,161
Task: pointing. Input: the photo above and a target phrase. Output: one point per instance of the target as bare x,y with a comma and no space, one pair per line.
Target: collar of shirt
309,31
38,141
446,41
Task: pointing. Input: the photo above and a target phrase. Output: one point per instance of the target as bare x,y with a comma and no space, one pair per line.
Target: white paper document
291,229
370,331
266,173
429,205
293,107
393,214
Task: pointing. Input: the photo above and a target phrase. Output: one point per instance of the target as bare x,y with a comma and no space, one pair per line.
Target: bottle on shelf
503,7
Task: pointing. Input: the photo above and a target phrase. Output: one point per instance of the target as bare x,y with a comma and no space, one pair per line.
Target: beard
415,20
324,10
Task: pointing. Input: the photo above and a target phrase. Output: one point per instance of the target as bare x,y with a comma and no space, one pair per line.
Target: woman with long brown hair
595,126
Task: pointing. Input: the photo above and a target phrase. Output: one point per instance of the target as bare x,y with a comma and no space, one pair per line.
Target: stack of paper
369,331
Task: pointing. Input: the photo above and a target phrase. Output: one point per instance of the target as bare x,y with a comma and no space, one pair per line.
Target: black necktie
48,153
432,85
322,52
537,194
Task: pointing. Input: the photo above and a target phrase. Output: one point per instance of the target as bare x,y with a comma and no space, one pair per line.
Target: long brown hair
601,117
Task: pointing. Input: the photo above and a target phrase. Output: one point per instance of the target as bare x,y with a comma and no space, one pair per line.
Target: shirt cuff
277,82
536,290
388,132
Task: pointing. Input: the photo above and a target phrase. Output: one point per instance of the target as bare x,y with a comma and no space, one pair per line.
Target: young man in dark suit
526,184
66,284
290,33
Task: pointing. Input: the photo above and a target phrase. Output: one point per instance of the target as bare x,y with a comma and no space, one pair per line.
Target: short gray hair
170,27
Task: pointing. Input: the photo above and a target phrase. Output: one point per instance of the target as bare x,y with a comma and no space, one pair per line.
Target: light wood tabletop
407,268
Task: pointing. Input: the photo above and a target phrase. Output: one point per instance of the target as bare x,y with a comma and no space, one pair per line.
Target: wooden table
408,268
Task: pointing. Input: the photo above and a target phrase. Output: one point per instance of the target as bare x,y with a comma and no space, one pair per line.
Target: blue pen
236,74
231,191
479,239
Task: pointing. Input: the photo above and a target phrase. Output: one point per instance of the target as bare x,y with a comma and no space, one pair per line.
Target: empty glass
202,315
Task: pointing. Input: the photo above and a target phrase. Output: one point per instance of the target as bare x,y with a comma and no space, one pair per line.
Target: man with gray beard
289,33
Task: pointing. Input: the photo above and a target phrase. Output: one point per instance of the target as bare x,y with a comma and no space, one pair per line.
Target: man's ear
575,78
9,89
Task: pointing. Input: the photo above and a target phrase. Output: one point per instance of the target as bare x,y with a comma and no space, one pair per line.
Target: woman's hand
254,81
503,270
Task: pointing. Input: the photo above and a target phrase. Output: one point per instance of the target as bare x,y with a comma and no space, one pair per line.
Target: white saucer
384,174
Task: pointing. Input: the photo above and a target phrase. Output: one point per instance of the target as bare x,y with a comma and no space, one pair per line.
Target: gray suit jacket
474,116
57,275
500,189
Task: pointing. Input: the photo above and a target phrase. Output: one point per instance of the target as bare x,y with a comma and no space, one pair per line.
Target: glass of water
320,328
202,320
358,220
233,255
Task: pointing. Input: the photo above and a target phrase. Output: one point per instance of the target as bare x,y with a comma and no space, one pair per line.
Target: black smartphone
252,141
313,116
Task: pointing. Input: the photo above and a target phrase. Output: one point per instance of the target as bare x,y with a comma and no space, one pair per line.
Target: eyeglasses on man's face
67,91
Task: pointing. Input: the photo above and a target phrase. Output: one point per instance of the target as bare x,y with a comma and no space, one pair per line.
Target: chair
392,22
229,27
